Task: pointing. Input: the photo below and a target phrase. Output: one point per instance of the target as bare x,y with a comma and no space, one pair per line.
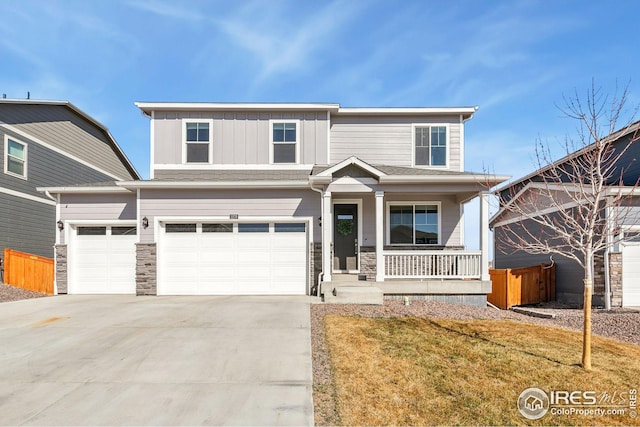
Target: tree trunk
586,336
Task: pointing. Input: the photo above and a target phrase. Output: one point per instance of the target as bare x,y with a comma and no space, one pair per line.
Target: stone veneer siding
615,278
368,261
146,269
315,265
61,268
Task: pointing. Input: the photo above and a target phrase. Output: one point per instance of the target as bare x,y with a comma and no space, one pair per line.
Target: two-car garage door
218,258
197,258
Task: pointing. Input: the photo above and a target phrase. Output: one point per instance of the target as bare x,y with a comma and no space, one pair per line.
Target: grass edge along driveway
409,371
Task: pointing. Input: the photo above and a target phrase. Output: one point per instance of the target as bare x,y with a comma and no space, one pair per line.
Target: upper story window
15,158
430,144
197,141
413,223
284,141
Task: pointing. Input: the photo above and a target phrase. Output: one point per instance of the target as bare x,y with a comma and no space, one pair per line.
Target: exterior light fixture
60,225
145,222
319,221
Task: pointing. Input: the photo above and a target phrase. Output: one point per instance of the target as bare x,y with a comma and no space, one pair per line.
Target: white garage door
631,275
102,260
232,259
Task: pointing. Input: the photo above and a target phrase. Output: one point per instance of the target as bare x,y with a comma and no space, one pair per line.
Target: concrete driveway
126,360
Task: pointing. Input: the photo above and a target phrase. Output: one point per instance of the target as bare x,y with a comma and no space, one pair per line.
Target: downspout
607,284
321,274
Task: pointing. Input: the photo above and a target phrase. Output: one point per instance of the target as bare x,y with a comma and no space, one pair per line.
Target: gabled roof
386,174
67,136
148,107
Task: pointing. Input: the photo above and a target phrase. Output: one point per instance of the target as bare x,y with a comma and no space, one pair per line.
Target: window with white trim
284,142
414,223
197,141
430,145
15,157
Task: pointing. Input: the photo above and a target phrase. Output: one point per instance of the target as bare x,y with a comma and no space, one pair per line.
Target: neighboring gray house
621,273
48,143
282,198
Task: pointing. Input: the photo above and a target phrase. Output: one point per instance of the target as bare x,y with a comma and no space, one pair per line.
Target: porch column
484,236
327,226
379,236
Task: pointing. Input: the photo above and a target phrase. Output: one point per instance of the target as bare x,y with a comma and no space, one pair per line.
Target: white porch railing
432,264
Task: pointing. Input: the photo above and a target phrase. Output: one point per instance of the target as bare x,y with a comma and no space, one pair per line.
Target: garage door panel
631,276
253,261
101,264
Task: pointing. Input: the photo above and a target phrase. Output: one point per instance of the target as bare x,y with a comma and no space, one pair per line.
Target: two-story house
48,143
283,199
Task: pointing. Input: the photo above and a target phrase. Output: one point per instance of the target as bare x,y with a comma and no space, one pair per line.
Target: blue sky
514,59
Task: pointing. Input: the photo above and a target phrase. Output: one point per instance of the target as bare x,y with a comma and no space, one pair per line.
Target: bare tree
575,206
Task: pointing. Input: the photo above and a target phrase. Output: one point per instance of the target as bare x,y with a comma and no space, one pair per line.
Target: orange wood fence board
28,271
519,286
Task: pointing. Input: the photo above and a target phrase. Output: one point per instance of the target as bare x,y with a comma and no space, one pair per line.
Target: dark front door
345,237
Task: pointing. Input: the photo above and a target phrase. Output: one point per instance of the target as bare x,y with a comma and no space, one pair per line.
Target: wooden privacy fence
28,271
520,286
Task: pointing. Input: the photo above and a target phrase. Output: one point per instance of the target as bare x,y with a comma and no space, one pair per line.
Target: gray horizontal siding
45,168
97,207
386,140
569,274
60,127
26,226
222,203
239,137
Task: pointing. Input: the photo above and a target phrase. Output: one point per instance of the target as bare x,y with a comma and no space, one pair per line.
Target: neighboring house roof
528,183
148,107
63,126
621,133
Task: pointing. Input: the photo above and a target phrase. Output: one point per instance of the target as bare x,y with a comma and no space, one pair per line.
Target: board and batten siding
97,207
27,226
60,127
222,203
380,140
239,138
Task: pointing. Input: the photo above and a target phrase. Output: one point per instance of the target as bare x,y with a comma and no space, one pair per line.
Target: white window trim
411,203
413,144
271,143
184,141
6,156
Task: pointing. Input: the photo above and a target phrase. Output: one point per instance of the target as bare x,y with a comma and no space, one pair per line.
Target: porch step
356,295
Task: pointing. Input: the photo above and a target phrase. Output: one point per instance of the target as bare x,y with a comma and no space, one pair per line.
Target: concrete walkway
126,360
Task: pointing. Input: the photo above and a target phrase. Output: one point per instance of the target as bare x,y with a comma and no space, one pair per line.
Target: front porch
401,234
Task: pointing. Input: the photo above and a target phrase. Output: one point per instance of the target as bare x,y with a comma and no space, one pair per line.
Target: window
197,137
15,159
123,231
92,231
180,228
284,140
286,227
217,228
414,224
253,228
430,146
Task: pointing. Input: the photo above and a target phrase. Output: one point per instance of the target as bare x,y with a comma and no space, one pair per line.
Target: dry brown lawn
408,371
